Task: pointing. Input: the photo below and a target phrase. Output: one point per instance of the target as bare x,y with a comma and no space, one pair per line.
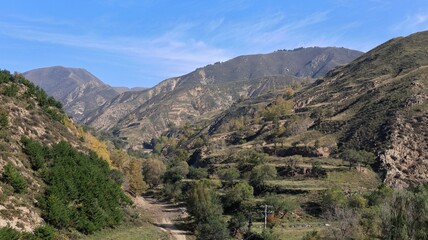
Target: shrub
44,232
12,176
4,121
9,233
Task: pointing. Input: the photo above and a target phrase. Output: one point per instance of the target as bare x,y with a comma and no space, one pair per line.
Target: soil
165,215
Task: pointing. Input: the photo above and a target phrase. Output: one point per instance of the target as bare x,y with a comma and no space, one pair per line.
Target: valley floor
165,215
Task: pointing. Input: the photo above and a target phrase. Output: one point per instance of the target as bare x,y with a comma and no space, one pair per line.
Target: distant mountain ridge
77,89
127,89
139,116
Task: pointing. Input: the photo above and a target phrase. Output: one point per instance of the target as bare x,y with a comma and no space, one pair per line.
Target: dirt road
163,215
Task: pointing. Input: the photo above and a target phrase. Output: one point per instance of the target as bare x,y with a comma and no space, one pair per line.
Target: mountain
126,89
378,103
58,181
78,90
138,116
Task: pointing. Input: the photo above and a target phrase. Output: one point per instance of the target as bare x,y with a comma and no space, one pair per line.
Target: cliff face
139,116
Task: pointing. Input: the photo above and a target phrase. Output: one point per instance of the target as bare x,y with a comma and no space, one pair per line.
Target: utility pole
265,212
265,215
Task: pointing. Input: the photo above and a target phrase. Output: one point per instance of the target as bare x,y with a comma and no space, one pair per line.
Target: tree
280,205
367,158
153,170
9,233
352,156
229,175
235,195
214,229
136,181
248,159
12,176
237,224
176,171
333,197
260,174
202,202
4,120
197,173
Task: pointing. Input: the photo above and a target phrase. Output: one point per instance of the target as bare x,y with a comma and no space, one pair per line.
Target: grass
353,180
144,232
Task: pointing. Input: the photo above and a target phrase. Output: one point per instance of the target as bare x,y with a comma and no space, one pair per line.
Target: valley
310,143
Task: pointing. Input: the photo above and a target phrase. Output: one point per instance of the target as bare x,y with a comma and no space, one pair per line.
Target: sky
142,42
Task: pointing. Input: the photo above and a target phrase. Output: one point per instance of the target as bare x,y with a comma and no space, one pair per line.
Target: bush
9,233
11,90
197,173
12,176
4,121
35,151
44,232
80,192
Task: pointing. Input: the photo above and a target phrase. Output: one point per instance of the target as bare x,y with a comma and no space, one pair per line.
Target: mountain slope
52,172
205,92
378,103
78,90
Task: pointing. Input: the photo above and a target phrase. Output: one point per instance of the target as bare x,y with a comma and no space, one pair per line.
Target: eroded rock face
405,163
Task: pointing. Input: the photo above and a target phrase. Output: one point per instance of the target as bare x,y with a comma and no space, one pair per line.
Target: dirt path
164,215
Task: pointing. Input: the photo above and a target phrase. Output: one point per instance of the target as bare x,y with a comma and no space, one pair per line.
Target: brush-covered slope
78,90
378,103
138,116
48,175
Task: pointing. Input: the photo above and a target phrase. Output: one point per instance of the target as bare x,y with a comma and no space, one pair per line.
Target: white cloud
170,49
416,22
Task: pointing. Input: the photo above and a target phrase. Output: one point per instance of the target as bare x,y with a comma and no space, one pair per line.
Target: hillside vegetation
56,180
320,158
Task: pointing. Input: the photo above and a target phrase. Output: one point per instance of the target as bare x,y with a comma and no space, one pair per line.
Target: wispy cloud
269,31
170,49
418,21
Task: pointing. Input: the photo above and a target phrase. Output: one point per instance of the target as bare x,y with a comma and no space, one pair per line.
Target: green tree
44,232
237,194
4,120
332,198
260,174
203,202
197,173
12,176
9,233
214,229
280,204
153,170
351,156
176,171
229,175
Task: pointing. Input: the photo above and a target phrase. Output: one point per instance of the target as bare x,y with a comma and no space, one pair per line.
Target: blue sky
141,42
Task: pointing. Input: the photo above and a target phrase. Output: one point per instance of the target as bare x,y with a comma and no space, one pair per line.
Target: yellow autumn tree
136,181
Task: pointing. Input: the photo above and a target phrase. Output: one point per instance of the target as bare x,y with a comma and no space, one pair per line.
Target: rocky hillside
78,90
47,164
377,103
138,116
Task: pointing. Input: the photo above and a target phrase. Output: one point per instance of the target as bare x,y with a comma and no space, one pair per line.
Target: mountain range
138,116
